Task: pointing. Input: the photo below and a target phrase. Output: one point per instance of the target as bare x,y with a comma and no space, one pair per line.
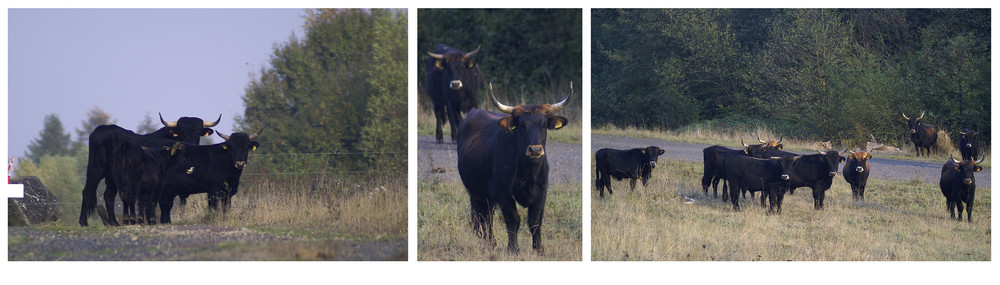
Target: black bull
958,185
924,136
214,169
502,163
637,163
815,171
770,176
453,82
105,138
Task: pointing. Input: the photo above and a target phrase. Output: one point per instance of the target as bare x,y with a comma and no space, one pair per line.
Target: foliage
524,51
829,74
95,118
62,174
147,125
336,97
52,140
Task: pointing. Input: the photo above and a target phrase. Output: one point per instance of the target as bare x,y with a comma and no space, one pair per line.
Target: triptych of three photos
283,134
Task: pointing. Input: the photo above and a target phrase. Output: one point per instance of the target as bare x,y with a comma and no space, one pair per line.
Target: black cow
924,136
958,184
214,169
713,158
502,163
856,170
969,145
105,138
815,171
453,81
139,172
636,163
771,176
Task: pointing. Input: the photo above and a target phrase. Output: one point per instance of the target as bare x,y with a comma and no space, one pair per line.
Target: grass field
444,231
899,221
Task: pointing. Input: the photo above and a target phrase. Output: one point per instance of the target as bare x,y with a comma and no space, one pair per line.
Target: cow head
832,159
785,164
239,146
758,150
912,124
967,169
650,154
460,67
530,123
188,129
968,137
859,158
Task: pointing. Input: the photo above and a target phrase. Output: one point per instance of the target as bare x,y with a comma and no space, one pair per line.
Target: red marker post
13,190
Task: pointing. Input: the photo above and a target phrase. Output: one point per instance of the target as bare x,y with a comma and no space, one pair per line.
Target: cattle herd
767,169
150,170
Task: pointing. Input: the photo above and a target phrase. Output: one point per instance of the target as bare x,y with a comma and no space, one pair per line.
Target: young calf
769,175
139,173
636,163
856,170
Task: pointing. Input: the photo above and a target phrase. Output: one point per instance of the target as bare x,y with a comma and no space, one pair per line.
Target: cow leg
454,118
482,221
780,199
725,190
535,214
818,196
513,222
109,202
89,195
763,198
715,188
607,183
951,207
968,210
166,202
599,182
440,117
633,184
733,190
705,181
958,203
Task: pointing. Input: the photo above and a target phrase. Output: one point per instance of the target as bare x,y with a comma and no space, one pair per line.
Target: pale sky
130,62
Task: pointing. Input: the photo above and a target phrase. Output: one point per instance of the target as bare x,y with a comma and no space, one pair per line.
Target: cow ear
868,157
254,145
979,168
644,151
206,132
841,159
507,123
661,152
779,147
557,122
438,64
224,146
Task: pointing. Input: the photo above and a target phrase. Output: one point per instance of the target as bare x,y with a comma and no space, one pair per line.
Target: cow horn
473,52
436,56
779,139
225,137
760,140
821,152
170,124
743,143
257,134
981,159
964,132
209,125
562,104
952,157
500,106
904,116
921,115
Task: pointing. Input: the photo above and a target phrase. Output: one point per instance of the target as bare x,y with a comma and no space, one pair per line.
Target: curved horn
257,134
981,159
904,116
500,106
209,125
821,152
921,115
780,138
743,143
225,137
473,52
562,104
952,158
436,56
760,140
170,124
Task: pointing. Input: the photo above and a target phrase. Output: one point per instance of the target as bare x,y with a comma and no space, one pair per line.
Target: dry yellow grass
899,221
346,207
444,232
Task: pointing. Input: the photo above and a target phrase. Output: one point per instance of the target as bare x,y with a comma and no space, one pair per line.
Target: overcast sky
130,62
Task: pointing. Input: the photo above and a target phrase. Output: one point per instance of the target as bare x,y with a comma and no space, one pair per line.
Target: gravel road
880,168
440,161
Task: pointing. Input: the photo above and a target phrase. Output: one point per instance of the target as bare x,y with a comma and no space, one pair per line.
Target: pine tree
52,140
95,118
147,125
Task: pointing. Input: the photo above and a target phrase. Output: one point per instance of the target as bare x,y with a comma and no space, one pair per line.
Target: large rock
39,204
15,218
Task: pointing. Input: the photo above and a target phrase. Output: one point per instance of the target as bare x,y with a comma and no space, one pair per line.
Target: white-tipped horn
500,106
473,52
981,159
952,157
780,138
760,140
436,56
223,136
904,116
743,143
921,115
170,124
209,125
562,104
257,134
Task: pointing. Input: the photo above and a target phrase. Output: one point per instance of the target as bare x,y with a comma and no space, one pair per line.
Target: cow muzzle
859,169
652,164
240,164
833,173
456,84
967,181
535,151
968,145
913,131
785,177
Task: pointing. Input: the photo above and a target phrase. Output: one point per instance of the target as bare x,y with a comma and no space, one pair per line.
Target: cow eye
470,64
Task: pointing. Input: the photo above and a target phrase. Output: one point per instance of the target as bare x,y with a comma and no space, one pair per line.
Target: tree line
824,74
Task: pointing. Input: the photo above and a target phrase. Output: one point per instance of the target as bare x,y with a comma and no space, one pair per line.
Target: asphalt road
440,161
881,168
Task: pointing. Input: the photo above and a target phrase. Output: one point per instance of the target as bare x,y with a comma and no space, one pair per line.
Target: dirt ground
190,242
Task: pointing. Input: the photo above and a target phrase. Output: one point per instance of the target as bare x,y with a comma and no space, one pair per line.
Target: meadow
671,220
445,233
